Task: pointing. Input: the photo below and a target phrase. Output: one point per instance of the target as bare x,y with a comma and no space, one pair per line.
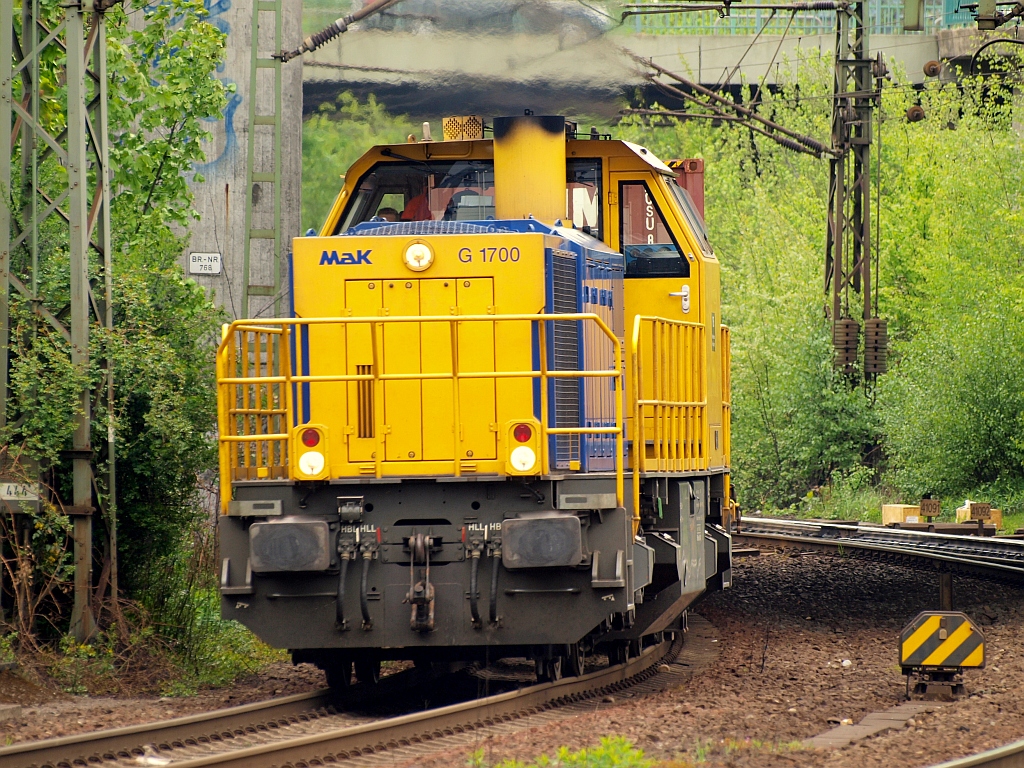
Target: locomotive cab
502,397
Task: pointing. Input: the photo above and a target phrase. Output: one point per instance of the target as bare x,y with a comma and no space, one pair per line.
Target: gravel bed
805,641
786,631
48,714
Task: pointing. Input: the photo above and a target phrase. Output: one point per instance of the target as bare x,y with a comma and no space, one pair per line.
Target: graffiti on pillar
217,10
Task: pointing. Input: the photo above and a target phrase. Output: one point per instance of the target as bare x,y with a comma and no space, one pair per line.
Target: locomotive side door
661,269
663,279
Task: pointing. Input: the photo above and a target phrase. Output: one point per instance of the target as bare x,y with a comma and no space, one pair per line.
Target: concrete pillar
221,198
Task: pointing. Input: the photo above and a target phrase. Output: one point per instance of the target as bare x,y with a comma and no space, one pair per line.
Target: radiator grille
565,357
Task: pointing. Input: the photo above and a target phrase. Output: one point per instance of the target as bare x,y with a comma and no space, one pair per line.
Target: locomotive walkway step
875,723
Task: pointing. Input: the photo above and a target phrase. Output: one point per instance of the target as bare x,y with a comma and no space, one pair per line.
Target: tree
162,87
334,138
948,418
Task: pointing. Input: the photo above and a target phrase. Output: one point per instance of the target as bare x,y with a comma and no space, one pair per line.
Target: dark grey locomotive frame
341,570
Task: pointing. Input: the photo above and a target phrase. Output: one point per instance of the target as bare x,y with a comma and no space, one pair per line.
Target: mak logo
359,257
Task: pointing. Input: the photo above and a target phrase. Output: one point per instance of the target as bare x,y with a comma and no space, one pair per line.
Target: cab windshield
439,190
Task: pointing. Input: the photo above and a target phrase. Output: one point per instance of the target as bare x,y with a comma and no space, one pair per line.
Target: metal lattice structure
78,202
263,227
849,255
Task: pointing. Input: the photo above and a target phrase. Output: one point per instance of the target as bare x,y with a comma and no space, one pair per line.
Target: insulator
788,143
317,39
326,34
845,338
810,143
876,346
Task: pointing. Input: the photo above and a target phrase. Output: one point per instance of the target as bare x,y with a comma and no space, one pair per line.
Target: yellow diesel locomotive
496,422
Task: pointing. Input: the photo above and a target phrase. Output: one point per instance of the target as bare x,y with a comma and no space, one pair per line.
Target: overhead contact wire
784,141
749,48
771,63
816,147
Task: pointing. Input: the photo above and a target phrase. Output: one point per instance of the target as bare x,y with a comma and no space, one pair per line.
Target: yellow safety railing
253,418
256,361
726,395
667,364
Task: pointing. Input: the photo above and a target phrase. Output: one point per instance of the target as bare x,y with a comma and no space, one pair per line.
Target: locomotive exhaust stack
488,432
529,167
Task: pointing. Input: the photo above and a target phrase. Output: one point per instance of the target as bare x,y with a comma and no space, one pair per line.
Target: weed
612,752
7,647
220,651
704,749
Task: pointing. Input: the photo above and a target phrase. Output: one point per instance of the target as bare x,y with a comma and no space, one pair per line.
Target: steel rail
81,747
982,556
340,744
1008,756
335,744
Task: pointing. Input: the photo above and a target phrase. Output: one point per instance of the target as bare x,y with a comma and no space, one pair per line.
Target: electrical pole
850,255
79,200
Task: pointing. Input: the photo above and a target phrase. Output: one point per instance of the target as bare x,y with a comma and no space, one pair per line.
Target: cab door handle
684,297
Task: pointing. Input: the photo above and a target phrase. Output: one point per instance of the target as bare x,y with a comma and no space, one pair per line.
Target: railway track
1010,756
982,556
304,729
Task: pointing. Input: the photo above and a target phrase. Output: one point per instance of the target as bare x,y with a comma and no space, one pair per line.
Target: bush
848,495
949,416
954,410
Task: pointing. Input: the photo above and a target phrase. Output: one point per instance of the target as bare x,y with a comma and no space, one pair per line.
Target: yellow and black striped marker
941,639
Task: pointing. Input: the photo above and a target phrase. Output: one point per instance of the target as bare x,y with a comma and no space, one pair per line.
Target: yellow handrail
726,395
285,379
678,386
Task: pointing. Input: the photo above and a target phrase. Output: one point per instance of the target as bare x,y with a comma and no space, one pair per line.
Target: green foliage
162,88
217,652
953,403
795,421
7,642
613,752
334,138
78,664
848,495
949,416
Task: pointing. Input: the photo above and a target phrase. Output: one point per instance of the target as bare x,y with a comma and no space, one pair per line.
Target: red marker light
310,438
522,433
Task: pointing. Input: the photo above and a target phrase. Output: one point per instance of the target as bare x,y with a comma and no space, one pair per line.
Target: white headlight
418,257
311,463
523,458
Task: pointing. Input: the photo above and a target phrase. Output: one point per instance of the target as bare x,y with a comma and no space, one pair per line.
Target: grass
612,752
855,495
851,495
134,657
705,749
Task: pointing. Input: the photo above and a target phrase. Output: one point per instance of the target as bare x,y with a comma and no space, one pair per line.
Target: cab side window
647,243
583,195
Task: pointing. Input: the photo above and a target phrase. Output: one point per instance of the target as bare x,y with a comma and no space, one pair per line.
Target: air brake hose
339,611
474,609
364,603
495,557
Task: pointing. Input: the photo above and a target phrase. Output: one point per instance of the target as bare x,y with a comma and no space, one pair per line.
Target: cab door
662,280
661,270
